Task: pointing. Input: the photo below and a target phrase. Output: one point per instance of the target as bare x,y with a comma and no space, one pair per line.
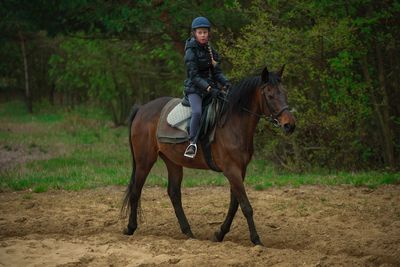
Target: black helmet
200,22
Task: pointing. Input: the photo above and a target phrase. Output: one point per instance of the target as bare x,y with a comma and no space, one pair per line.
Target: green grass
371,179
79,148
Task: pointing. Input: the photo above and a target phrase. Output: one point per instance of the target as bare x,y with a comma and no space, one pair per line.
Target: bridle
273,117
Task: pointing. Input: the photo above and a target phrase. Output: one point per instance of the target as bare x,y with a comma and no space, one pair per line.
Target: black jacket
200,72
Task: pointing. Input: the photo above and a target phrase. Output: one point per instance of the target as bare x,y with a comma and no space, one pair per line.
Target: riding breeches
196,104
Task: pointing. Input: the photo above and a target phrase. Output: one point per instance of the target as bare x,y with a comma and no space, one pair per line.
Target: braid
213,62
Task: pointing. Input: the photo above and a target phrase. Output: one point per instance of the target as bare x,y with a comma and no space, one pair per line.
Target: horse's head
274,100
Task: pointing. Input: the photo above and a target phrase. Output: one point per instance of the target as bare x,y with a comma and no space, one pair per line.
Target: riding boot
191,150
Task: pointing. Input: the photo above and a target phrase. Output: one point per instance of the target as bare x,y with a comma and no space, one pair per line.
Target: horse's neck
239,129
242,126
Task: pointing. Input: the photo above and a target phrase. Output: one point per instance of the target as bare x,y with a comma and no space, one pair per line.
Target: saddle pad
179,115
166,133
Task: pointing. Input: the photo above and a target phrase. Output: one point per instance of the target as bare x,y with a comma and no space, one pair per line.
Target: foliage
321,47
342,63
115,73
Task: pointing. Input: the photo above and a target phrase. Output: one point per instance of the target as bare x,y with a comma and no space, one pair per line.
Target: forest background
342,66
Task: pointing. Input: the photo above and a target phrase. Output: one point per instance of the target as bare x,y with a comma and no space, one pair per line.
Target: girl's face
201,35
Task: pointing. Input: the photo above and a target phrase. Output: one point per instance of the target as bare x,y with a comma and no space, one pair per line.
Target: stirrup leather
187,150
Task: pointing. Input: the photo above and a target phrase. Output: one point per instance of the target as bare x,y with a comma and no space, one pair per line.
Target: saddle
173,126
174,123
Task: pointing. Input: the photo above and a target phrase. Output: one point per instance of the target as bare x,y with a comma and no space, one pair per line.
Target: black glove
215,92
227,86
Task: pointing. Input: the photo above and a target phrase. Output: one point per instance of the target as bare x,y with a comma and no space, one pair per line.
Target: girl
203,75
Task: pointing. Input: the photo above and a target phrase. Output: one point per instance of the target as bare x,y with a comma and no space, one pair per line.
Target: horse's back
152,110
144,125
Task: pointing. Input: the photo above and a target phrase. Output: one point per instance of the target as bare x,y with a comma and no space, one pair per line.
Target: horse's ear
265,75
280,72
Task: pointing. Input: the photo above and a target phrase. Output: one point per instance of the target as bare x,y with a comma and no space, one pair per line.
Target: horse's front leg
248,213
226,225
237,187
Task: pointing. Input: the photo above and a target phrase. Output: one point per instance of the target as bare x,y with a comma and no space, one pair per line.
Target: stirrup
189,155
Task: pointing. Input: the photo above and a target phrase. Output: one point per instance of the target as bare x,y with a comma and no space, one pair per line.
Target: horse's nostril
286,126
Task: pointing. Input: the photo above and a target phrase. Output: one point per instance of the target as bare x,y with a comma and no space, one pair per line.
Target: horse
250,99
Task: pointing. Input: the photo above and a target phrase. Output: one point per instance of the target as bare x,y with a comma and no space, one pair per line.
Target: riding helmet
201,22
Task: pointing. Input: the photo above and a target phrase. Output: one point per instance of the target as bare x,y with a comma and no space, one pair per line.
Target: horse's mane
241,93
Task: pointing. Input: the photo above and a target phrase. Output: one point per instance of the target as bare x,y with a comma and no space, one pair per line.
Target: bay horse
249,100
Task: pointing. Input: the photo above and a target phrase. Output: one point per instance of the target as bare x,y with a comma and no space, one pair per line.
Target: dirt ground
306,226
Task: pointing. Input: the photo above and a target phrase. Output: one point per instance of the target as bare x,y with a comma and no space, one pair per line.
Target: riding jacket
200,71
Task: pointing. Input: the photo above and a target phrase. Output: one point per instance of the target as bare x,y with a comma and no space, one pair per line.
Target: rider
203,75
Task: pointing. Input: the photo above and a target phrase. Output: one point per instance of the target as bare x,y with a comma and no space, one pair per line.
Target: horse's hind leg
226,225
175,175
139,176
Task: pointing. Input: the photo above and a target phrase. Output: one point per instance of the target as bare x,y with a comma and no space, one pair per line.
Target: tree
323,44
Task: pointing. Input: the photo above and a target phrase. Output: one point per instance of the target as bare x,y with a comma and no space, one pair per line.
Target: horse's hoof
256,240
190,235
258,243
128,231
217,237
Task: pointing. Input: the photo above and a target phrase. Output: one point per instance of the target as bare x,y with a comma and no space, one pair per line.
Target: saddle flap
166,133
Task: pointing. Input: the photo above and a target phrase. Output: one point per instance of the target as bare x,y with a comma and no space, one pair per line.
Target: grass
371,179
79,148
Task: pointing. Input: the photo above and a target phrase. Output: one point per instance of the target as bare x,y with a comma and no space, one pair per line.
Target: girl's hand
226,86
208,88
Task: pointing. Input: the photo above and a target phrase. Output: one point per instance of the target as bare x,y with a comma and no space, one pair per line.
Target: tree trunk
28,96
395,97
386,140
118,108
175,36
297,154
387,129
114,113
395,73
52,93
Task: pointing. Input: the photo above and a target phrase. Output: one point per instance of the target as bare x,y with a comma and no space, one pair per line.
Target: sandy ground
307,226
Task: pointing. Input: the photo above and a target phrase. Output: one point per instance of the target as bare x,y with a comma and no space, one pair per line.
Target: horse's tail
126,205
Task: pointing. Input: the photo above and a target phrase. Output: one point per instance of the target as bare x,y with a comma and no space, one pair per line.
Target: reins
273,117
